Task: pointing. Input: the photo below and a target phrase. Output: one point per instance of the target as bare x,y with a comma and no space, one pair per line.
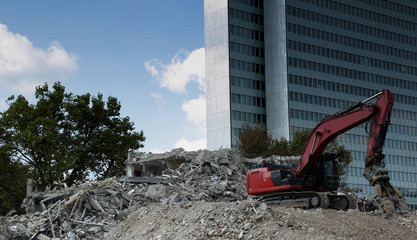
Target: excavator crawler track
309,199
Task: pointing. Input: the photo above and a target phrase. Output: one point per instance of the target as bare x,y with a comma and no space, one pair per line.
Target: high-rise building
289,63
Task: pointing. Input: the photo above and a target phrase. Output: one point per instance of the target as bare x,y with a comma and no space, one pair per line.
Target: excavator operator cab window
329,163
329,168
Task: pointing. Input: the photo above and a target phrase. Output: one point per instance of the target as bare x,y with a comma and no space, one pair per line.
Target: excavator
314,181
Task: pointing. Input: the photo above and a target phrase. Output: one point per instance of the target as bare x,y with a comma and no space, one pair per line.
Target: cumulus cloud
195,110
157,150
159,99
22,66
185,67
191,145
3,105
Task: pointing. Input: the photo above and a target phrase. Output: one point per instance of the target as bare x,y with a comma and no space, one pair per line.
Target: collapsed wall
199,175
86,210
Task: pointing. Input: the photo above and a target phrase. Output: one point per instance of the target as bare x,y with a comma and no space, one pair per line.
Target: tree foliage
254,140
13,176
65,137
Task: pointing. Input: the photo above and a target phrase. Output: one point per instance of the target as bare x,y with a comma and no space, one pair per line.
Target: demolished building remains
153,181
90,208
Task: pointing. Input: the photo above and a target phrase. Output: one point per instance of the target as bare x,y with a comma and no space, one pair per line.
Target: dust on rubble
250,219
203,198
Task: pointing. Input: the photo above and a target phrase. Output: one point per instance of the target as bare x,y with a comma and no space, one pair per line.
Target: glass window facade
291,63
247,64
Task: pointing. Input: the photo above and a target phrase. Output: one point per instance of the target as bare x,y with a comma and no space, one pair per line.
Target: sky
147,54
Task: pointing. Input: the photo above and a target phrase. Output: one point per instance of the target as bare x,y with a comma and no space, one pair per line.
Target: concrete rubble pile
177,195
251,219
206,220
239,221
81,212
211,175
86,211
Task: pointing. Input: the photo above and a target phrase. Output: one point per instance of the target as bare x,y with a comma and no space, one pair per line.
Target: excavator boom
378,130
334,125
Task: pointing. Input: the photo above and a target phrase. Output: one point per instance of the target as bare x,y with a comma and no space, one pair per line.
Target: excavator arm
301,185
388,198
378,130
327,130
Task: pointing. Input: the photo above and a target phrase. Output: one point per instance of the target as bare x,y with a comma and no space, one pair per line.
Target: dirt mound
252,220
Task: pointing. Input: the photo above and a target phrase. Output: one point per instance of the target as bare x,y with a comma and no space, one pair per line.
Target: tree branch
22,155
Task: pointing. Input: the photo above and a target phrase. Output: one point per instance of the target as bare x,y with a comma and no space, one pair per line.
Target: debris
144,180
156,192
86,210
202,196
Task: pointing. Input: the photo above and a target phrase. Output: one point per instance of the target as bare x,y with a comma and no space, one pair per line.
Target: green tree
65,137
254,140
299,141
13,177
280,147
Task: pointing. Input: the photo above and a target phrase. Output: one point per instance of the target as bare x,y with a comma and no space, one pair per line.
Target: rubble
87,210
202,175
81,211
202,196
250,219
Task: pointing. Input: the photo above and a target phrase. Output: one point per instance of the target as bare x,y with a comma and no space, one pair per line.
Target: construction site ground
203,198
245,220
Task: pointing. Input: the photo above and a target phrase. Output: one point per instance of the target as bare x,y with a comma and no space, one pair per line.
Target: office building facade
290,63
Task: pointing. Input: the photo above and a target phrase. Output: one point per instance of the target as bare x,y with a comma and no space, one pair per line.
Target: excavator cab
322,177
325,175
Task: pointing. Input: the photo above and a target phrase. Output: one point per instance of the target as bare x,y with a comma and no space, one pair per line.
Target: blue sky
147,54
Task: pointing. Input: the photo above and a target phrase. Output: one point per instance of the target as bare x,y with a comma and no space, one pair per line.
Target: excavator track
309,199
341,201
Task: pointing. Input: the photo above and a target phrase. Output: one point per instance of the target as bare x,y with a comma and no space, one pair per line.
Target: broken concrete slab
156,191
144,180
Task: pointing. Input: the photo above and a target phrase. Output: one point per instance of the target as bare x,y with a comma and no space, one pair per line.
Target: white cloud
151,68
159,99
23,86
191,145
185,67
22,66
195,110
3,105
157,150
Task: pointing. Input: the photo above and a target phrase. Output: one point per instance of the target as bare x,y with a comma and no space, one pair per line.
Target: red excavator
315,180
